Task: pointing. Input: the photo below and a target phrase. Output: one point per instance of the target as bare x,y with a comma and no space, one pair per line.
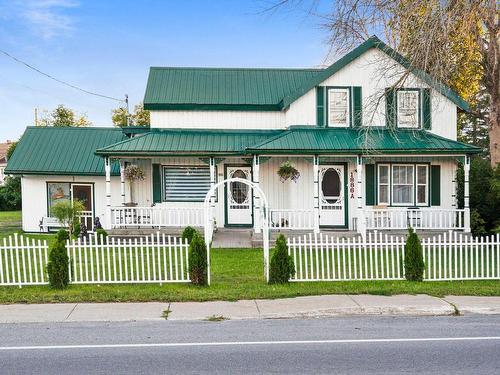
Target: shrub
68,212
282,267
198,260
101,234
188,234
76,228
58,265
477,224
414,259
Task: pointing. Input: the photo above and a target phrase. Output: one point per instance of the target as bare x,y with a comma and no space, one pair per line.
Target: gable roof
314,140
63,151
162,142
258,89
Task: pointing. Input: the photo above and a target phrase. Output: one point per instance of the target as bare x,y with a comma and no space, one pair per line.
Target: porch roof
295,140
314,140
178,142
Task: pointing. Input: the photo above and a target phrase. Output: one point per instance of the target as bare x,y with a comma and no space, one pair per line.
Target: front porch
331,194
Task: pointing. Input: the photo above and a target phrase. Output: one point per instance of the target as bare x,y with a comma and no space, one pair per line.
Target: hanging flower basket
288,171
133,173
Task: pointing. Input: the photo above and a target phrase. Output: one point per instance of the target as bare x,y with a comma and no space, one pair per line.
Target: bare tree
457,42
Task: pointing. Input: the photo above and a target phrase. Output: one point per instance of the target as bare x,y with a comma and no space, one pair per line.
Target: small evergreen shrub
414,259
76,229
188,234
282,267
58,265
198,260
477,224
101,235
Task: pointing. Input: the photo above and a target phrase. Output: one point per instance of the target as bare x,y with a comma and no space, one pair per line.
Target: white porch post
454,187
316,192
212,183
122,181
257,226
107,169
361,216
466,194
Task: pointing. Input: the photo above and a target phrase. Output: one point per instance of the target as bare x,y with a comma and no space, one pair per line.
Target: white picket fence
451,256
154,259
23,261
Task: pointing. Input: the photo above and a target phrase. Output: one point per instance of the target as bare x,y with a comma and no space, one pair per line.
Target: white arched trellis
210,217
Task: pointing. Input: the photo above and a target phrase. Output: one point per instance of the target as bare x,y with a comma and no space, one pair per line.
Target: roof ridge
233,68
76,127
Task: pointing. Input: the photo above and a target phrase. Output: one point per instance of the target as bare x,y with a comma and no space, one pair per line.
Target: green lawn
236,274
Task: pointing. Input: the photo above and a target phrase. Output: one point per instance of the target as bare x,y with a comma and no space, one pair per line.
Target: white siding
218,119
34,193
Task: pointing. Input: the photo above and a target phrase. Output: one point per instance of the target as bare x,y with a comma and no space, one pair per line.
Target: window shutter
435,185
370,184
426,108
357,104
156,183
390,108
320,106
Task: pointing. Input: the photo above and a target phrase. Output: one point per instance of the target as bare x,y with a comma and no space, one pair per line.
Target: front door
239,197
84,194
332,195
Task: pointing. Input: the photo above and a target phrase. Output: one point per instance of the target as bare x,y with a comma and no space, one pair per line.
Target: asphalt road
349,345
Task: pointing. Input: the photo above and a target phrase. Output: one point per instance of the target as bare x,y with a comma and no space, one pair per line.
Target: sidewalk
308,307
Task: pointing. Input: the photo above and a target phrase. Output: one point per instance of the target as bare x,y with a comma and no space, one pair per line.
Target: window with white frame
422,184
185,184
408,108
338,107
383,184
402,184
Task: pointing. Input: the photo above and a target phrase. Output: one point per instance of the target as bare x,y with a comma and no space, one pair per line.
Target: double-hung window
408,108
186,184
422,184
338,107
402,185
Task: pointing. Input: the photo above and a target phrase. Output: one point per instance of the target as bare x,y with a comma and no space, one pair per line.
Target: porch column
454,187
361,215
256,197
122,181
316,192
212,183
107,169
466,194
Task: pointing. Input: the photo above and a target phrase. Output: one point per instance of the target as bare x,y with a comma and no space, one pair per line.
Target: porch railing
156,217
427,219
293,219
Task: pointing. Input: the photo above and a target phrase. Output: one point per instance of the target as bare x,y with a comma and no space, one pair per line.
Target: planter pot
130,204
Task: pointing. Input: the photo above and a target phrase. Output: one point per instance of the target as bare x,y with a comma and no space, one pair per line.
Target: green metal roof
257,89
63,151
189,141
313,140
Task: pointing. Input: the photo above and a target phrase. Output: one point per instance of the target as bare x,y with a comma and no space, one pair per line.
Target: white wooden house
371,154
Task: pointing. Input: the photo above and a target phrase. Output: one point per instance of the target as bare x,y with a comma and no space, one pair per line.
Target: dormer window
408,109
338,107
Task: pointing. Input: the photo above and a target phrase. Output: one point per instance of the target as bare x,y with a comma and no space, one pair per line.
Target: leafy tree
140,117
414,259
11,149
282,267
10,194
58,265
62,116
68,213
198,267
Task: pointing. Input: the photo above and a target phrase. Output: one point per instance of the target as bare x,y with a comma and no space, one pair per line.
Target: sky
108,46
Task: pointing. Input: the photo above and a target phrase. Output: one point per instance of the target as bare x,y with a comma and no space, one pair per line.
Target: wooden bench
49,222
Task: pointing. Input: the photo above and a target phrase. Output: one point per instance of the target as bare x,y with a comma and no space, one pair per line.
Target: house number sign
351,185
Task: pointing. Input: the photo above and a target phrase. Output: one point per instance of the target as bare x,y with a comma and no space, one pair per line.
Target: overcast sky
108,46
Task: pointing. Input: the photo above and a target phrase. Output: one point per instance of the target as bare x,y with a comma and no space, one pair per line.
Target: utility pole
128,114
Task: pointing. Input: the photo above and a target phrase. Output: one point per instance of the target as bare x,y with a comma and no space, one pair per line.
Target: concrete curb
299,307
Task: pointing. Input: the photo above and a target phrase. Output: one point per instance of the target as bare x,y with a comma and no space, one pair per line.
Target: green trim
213,107
320,106
426,109
157,183
226,224
390,110
435,185
358,106
370,183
